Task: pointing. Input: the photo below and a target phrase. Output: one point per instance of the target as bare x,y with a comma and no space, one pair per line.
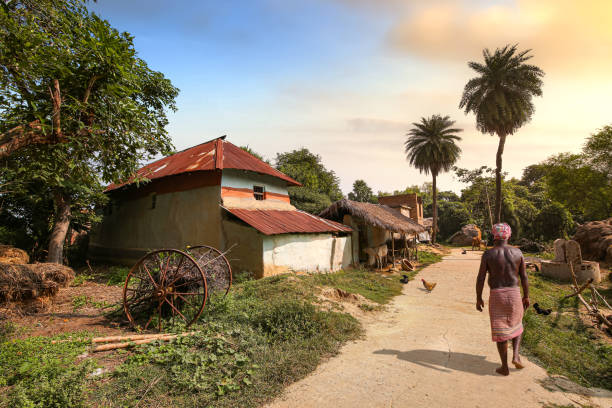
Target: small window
259,192
153,201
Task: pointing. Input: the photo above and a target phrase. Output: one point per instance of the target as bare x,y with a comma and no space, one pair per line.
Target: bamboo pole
133,337
161,337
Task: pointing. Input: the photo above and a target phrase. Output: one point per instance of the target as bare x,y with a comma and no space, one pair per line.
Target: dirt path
432,350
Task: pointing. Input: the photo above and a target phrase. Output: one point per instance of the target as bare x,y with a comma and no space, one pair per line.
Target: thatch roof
375,214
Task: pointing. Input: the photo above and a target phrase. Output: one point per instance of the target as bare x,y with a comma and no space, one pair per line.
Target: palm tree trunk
60,228
434,223
498,177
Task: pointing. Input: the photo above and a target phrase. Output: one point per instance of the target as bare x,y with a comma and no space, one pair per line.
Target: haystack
31,281
12,255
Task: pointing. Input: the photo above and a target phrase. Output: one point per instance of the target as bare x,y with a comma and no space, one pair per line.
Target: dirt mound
464,237
12,255
595,239
25,281
342,295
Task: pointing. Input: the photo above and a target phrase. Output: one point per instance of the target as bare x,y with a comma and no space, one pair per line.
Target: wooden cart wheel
164,283
215,266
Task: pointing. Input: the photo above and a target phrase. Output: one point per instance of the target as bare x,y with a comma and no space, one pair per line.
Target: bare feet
518,363
503,370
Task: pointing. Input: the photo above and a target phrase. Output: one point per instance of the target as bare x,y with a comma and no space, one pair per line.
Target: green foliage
117,275
370,285
319,184
452,215
264,335
112,113
362,192
553,221
41,374
81,278
574,182
561,342
307,200
598,150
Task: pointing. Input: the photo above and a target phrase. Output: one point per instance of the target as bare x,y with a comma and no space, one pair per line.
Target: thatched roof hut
377,215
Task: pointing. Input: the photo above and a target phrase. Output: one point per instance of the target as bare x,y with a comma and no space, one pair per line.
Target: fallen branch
577,292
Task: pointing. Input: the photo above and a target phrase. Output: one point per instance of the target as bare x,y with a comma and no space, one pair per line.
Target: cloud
566,36
368,125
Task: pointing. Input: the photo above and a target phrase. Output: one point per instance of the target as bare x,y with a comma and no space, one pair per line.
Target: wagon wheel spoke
152,282
215,266
149,273
175,309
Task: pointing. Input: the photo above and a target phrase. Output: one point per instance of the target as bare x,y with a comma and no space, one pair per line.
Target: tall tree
431,148
501,98
362,192
78,108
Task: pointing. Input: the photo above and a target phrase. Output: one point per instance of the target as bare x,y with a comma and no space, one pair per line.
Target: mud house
217,194
373,225
410,205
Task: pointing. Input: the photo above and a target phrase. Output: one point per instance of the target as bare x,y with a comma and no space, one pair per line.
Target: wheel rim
216,267
164,283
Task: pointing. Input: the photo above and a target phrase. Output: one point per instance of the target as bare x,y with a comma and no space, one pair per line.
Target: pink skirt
506,312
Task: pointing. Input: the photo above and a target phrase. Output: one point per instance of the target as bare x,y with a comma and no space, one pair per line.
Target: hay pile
12,255
30,281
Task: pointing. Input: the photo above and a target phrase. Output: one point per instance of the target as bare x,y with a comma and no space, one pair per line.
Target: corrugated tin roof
272,222
216,154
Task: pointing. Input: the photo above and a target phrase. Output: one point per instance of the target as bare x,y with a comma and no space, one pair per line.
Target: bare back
504,264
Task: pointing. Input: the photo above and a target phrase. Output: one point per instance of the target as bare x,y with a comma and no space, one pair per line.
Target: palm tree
431,148
500,97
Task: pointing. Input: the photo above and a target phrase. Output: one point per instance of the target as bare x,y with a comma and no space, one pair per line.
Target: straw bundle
30,281
11,255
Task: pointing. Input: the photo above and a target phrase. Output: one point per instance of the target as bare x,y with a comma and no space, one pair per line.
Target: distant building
219,195
410,205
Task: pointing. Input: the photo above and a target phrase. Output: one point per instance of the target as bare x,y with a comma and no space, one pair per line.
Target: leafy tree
598,151
501,98
452,216
584,191
307,200
362,192
431,148
553,221
78,108
306,167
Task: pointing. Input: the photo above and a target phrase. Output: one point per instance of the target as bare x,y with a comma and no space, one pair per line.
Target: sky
347,78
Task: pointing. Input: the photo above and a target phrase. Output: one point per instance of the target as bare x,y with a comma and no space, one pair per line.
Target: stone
559,246
595,239
572,252
464,237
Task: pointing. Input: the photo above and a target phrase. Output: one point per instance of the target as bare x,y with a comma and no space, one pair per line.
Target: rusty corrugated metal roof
272,222
216,154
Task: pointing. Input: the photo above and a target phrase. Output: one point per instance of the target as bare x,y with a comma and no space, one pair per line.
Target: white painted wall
305,252
247,179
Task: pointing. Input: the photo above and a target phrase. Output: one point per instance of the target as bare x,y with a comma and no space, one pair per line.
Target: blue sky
345,78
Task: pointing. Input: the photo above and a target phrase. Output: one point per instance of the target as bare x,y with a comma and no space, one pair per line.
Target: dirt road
432,350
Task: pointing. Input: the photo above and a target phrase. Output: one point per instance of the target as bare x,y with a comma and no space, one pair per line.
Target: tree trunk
60,228
498,177
434,224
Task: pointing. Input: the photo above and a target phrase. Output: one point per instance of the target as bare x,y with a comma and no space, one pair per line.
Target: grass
562,342
81,301
264,335
371,285
36,373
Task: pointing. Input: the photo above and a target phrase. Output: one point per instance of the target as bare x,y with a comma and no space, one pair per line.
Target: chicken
405,279
428,286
